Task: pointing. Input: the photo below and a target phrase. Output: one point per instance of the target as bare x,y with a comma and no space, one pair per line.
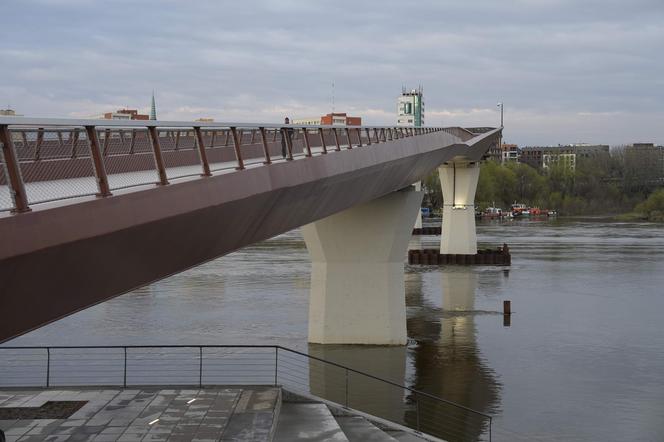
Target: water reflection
442,360
359,391
446,361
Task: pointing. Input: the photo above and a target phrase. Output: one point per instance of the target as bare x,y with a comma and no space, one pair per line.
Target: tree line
600,184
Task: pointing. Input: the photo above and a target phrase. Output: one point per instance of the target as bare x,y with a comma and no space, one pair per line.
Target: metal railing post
158,159
359,136
74,140
98,162
322,140
376,135
305,134
276,365
48,367
490,424
266,150
417,411
38,143
368,136
336,138
236,146
124,375
201,152
346,402
14,178
350,142
200,366
289,143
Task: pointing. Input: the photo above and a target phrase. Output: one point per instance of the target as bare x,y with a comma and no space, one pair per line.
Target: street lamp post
500,139
501,113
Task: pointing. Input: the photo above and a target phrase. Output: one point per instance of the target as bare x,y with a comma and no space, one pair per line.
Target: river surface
582,360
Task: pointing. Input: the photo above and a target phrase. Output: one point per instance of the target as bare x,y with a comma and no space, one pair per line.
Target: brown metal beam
307,146
97,162
201,152
266,150
13,171
322,140
236,146
158,159
350,142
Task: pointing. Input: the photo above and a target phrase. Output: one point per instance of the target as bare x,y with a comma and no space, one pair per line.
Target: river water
581,360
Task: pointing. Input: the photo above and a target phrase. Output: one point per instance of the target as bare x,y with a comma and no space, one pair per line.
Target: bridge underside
60,259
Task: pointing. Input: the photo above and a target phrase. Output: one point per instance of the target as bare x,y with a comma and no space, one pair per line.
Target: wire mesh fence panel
251,146
55,164
6,202
128,157
163,366
23,368
90,366
239,366
219,150
180,153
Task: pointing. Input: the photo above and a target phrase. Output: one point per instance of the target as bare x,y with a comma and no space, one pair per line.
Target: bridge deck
69,254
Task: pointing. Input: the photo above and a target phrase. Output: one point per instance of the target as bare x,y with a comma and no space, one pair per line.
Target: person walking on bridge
288,132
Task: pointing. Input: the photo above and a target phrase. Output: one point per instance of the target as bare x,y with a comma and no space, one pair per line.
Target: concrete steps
315,421
307,422
358,429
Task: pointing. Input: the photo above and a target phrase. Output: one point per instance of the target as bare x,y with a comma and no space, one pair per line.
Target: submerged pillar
459,182
357,277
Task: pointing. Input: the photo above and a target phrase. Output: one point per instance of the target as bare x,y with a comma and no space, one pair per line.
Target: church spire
153,108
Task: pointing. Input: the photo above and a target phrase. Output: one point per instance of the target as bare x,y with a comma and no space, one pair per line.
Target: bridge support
459,182
357,277
418,221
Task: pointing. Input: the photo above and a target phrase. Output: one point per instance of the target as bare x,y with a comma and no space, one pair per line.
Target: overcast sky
567,70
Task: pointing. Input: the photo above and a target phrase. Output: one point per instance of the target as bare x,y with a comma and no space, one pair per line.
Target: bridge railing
45,160
197,365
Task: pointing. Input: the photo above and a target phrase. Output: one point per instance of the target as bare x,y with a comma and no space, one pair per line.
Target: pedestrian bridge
91,209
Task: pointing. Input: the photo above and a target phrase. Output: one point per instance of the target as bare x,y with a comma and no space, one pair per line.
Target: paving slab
149,414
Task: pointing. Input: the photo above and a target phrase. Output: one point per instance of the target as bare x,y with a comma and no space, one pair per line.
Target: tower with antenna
410,107
153,108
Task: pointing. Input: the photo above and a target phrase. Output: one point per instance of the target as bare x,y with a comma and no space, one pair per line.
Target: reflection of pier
365,394
447,362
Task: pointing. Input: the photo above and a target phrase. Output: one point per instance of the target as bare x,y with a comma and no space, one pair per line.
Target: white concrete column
357,276
418,222
459,182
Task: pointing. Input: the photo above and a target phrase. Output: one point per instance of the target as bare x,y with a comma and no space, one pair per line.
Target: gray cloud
567,70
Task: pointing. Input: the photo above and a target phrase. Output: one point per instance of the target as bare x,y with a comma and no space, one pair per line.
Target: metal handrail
278,351
14,166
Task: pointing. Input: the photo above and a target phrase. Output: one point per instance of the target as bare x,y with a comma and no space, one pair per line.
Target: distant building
9,113
567,160
331,119
125,114
410,108
644,163
546,156
510,152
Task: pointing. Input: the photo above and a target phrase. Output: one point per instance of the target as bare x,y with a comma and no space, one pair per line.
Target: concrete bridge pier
418,221
458,180
357,277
